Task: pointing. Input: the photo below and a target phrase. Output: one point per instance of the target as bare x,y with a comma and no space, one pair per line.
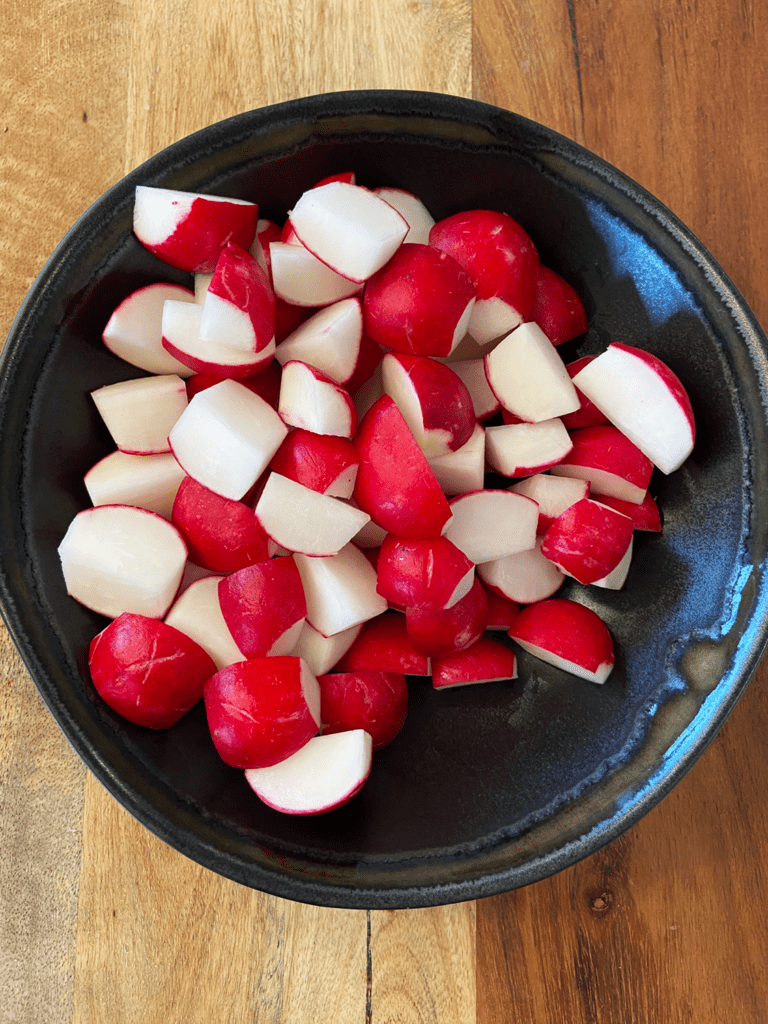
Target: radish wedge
567,635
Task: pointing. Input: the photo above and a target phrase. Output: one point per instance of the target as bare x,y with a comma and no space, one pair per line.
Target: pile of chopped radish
296,516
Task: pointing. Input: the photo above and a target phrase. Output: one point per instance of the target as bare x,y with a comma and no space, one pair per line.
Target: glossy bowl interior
487,788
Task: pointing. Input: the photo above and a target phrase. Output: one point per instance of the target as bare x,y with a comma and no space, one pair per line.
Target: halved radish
528,376
118,558
310,399
385,646
409,206
419,303
612,464
463,470
523,578
134,332
300,519
148,481
239,306
349,228
374,701
188,230
502,262
301,279
553,495
491,524
340,590
264,606
439,631
423,573
642,396
196,612
325,462
222,534
588,540
324,774
434,401
485,661
263,710
230,418
557,309
320,652
567,635
147,671
522,449
181,337
328,340
140,413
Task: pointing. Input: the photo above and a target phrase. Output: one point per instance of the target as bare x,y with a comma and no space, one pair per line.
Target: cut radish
320,652
117,558
463,470
349,228
553,495
134,332
263,710
239,306
434,401
587,415
522,578
502,263
189,230
419,303
227,418
485,661
329,340
611,463
325,774
616,579
423,573
491,524
522,449
376,702
301,279
528,376
384,646
222,535
196,612
147,481
325,462
472,372
642,397
181,337
501,611
409,206
264,606
265,383
300,519
340,590
567,635
588,540
147,671
645,516
140,413
313,401
439,631
557,309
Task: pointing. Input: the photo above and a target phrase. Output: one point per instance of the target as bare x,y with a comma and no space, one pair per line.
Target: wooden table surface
100,923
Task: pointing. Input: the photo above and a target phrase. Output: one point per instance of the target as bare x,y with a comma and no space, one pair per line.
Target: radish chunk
134,332
181,337
385,646
528,377
418,217
117,558
553,495
522,449
472,372
374,701
587,415
588,540
263,710
485,661
301,279
329,340
502,263
611,463
188,230
501,611
463,470
300,519
395,484
439,631
557,309
325,462
239,306
222,535
196,612
310,399
147,671
645,516
567,635
434,401
419,303
490,524
423,573
227,418
349,228
523,578
642,397
616,579
340,590
264,382
264,607
147,481
325,774
322,652
140,413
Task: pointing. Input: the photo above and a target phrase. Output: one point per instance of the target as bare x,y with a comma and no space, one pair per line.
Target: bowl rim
479,124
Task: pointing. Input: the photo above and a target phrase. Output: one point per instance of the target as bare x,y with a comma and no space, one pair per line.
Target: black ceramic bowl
487,788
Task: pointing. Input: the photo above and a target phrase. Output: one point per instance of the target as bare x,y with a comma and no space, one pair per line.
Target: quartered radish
312,400
567,635
141,413
409,206
134,331
523,578
588,540
645,516
239,304
181,337
148,481
491,524
264,606
196,612
438,631
301,519
463,470
557,309
301,279
320,652
553,495
328,340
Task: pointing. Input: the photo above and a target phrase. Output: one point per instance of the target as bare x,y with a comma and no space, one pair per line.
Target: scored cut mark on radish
491,524
645,399
340,590
227,417
310,399
303,520
329,340
134,331
140,413
524,449
349,228
324,774
147,481
118,558
301,279
568,636
196,612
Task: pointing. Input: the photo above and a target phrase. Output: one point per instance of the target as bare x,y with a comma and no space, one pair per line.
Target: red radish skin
587,415
588,540
568,635
645,516
423,573
439,631
147,671
553,495
264,606
263,710
501,611
245,316
384,646
222,535
181,337
395,484
557,309
134,332
374,701
265,383
485,661
324,462
611,463
419,303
